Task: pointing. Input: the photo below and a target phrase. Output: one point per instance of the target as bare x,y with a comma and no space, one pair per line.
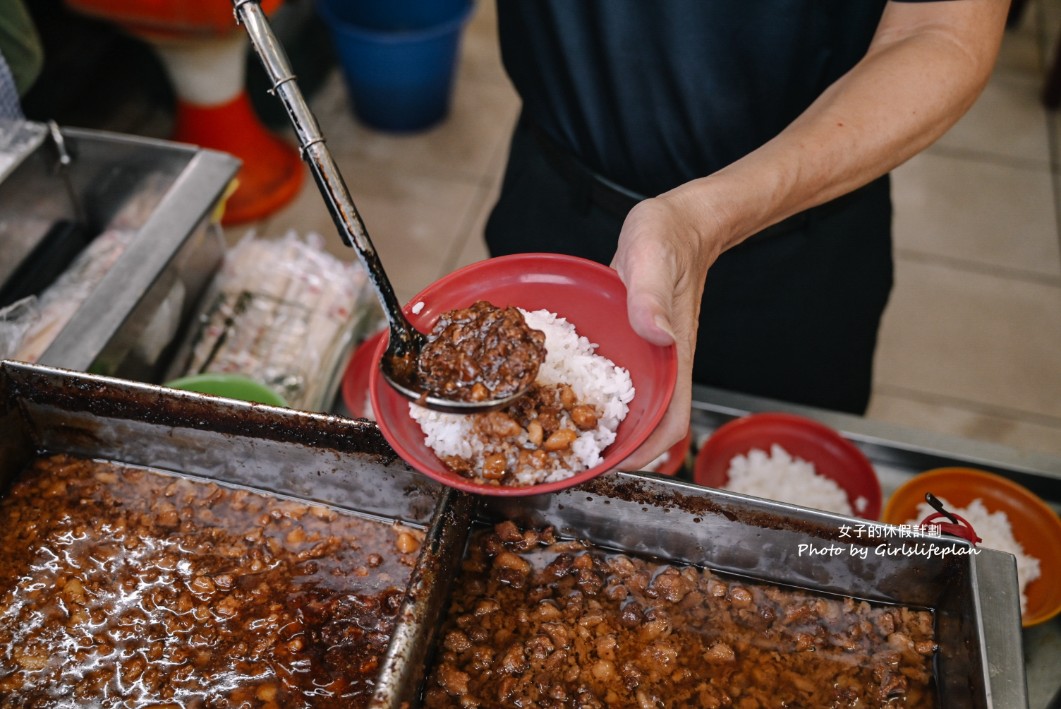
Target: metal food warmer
61,189
984,659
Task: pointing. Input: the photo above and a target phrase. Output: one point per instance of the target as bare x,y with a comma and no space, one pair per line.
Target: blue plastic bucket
398,57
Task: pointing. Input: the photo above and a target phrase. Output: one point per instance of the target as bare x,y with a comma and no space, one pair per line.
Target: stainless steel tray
339,462
979,664
347,463
18,140
666,518
674,520
166,192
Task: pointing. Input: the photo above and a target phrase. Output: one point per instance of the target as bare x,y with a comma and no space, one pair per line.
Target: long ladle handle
315,152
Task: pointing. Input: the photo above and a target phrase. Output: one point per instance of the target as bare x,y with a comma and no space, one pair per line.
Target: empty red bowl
832,455
591,297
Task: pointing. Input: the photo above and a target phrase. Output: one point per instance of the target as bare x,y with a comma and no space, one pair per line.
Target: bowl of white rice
791,459
1006,516
592,354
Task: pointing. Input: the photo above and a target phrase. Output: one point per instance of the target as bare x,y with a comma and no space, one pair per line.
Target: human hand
662,258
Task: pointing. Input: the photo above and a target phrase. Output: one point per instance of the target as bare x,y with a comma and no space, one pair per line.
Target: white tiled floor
423,196
971,341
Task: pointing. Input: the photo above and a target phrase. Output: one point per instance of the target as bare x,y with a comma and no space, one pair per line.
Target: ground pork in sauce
540,623
479,353
122,587
534,433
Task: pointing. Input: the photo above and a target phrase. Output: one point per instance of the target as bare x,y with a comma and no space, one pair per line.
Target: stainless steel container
979,662
166,192
347,463
311,457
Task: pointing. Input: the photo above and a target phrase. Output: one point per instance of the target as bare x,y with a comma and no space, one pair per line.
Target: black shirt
653,93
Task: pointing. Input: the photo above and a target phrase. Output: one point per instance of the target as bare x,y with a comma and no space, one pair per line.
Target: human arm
926,65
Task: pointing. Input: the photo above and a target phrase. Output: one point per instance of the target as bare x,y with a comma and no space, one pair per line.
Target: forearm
925,67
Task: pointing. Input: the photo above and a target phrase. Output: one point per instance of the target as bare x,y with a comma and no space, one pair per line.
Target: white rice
995,531
782,477
570,359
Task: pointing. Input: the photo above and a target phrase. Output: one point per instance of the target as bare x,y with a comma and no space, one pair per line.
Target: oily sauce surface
536,622
480,352
126,587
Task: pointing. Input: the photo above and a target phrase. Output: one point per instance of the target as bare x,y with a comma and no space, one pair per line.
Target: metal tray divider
421,613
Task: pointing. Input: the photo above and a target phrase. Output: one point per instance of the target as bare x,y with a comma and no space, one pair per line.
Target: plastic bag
283,313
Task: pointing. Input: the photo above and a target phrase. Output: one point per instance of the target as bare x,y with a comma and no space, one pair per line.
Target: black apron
792,313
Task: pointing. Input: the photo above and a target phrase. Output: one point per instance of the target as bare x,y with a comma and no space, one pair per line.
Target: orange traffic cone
204,55
214,111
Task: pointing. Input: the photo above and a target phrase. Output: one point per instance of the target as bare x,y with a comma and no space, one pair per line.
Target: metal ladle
399,363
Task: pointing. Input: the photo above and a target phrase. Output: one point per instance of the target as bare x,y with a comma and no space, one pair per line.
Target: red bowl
591,297
356,376
833,456
675,456
1035,526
